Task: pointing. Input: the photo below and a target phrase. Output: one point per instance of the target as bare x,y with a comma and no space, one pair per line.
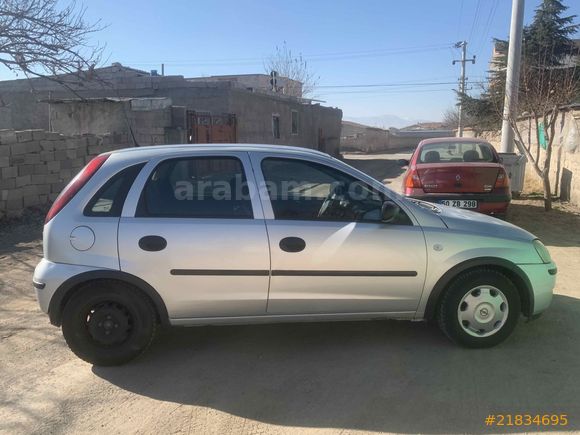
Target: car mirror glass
389,211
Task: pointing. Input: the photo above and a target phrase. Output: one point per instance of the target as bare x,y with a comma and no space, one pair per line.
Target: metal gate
203,127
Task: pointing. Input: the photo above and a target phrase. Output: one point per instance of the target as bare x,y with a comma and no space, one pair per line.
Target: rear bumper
488,203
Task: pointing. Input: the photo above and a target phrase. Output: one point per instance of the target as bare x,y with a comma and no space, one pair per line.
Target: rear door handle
152,243
292,244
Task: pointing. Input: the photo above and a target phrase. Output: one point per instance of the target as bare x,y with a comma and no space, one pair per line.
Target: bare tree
295,67
544,90
41,39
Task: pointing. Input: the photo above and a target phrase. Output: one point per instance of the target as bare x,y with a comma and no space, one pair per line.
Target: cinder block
92,140
38,134
53,166
32,158
29,190
53,196
10,172
79,162
71,153
60,155
24,136
42,199
17,149
57,187
14,194
29,201
23,181
81,151
52,178
7,136
46,156
18,160
60,145
4,162
52,136
25,170
65,164
4,150
14,205
41,169
33,147
47,145
43,189
38,179
3,195
7,183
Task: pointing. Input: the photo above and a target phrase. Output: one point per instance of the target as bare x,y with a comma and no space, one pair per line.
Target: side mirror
389,211
403,162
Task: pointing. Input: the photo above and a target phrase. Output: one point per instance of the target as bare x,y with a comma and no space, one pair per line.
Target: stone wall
35,165
565,165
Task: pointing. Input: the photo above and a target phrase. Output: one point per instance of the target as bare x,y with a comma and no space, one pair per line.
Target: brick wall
35,165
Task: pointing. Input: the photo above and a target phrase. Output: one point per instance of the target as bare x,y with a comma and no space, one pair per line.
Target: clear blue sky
347,42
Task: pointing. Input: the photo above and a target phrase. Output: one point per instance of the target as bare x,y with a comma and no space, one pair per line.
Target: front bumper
542,278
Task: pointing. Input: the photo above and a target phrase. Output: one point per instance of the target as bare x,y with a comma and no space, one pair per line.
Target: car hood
470,221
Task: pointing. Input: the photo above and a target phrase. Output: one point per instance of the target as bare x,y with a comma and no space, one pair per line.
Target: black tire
448,318
108,323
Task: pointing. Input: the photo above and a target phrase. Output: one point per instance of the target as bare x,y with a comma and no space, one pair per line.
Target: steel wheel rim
109,323
483,311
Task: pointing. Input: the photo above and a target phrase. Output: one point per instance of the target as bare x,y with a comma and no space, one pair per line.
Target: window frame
116,211
141,207
268,201
292,113
276,116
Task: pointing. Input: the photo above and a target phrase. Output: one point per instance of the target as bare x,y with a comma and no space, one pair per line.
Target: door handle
292,244
152,243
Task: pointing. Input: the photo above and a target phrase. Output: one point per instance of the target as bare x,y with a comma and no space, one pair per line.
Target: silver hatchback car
222,234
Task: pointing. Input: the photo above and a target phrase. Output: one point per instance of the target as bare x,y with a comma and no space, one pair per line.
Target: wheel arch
68,288
511,270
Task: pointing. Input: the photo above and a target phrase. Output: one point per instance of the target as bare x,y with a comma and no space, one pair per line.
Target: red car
460,172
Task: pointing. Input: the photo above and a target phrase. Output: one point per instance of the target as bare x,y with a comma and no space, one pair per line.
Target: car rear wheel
108,323
480,308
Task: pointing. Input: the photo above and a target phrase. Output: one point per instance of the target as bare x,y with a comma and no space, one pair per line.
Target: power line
312,57
377,85
475,19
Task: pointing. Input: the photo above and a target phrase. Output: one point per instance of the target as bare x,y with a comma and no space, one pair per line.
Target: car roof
156,150
453,139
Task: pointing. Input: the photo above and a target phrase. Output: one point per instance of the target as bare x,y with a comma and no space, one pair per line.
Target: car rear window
456,152
110,198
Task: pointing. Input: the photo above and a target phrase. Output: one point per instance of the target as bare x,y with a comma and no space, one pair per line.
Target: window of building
302,190
276,126
198,187
110,198
294,120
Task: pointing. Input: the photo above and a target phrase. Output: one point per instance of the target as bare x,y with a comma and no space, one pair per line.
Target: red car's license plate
461,203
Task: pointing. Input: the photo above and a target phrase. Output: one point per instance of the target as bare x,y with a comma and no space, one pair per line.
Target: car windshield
456,152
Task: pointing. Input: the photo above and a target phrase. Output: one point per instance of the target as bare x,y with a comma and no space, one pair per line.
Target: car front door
192,230
331,252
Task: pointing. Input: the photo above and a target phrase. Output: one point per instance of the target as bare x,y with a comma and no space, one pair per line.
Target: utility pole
463,61
512,83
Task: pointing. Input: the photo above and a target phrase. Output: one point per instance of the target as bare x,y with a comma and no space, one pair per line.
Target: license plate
460,203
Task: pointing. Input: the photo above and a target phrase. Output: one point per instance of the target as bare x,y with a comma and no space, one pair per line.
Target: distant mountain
384,121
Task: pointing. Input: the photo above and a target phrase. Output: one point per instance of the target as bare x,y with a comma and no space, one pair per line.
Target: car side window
197,187
303,190
110,198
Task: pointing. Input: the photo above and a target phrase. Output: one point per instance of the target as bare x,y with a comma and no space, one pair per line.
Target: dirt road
322,378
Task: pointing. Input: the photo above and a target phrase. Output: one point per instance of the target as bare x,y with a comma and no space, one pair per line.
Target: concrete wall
565,165
35,165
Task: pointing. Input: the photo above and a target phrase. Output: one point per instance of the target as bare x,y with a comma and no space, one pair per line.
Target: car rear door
323,260
193,230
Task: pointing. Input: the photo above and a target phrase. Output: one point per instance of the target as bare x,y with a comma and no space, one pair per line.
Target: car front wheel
108,323
480,308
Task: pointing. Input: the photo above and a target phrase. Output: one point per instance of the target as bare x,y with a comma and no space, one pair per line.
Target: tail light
75,185
502,179
413,181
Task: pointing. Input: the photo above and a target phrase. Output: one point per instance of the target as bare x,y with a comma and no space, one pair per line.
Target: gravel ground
322,378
